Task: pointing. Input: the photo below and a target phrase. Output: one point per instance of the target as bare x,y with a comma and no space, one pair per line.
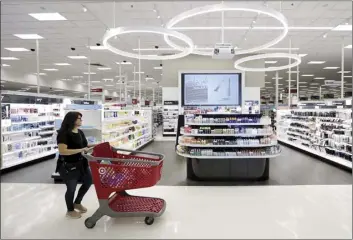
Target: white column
134,81
289,74
120,81
342,70
298,95
320,92
89,77
125,92
276,100
38,85
139,72
153,95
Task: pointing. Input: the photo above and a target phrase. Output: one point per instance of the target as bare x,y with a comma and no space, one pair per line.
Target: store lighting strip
297,61
110,33
229,7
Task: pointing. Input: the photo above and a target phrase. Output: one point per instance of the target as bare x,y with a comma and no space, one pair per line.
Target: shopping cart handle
160,156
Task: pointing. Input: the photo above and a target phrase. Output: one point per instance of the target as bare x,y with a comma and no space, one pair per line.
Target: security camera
156,47
98,44
51,88
73,49
33,50
161,64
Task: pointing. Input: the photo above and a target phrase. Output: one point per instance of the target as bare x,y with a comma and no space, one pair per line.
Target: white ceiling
83,28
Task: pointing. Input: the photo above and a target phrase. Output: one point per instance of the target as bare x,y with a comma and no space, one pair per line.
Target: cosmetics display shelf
226,135
248,134
328,136
170,118
30,158
27,136
125,135
228,157
226,146
328,157
225,124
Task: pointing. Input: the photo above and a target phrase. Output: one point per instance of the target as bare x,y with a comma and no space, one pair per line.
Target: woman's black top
73,141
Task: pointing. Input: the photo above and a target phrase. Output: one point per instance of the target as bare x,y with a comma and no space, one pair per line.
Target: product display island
226,146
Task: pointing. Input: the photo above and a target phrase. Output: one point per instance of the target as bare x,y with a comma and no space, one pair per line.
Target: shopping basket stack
114,172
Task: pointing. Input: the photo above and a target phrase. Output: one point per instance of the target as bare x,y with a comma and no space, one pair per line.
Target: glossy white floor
38,211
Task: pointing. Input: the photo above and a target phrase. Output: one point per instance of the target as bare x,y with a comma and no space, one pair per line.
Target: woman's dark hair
69,122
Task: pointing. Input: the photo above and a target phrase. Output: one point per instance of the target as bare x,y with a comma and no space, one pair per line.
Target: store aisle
192,212
291,168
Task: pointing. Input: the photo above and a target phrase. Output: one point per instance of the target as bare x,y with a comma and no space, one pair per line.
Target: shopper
72,166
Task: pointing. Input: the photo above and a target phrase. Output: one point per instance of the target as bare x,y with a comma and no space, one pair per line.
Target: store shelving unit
229,143
323,133
28,135
170,118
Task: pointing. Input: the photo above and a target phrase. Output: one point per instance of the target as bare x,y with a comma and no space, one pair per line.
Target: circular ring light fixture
110,33
229,7
296,57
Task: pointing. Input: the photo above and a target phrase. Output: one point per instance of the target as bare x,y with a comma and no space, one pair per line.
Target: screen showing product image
210,89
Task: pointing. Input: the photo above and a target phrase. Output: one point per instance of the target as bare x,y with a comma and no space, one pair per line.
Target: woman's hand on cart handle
87,149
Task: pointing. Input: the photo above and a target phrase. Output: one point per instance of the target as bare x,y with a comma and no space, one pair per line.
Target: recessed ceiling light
291,80
51,69
124,63
331,67
138,72
316,62
17,49
344,72
314,83
5,65
84,9
325,35
347,77
149,78
97,48
62,64
270,62
47,16
95,81
278,78
109,85
28,36
107,79
303,55
104,68
58,90
158,16
9,58
293,71
158,68
308,75
77,57
86,73
348,46
343,28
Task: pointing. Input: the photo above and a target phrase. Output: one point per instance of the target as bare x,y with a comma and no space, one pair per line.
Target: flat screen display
210,89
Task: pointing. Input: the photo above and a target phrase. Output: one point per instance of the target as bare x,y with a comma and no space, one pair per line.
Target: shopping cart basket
114,172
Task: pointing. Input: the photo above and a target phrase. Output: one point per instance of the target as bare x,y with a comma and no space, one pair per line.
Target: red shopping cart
114,172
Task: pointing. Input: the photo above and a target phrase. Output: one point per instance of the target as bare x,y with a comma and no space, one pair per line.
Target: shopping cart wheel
149,220
89,223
